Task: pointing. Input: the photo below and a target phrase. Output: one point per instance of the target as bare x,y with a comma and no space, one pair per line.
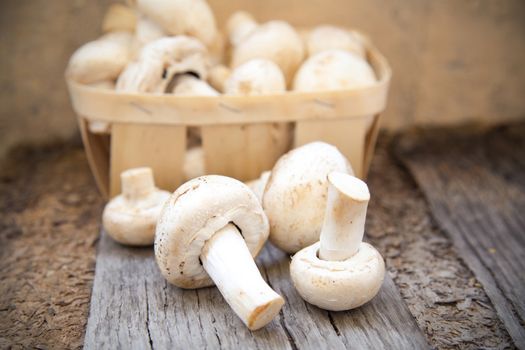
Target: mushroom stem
344,222
228,262
137,183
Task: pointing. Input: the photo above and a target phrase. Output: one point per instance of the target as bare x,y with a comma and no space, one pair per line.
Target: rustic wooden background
452,60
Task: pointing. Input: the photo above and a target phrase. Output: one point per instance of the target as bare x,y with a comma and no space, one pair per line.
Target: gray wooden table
132,307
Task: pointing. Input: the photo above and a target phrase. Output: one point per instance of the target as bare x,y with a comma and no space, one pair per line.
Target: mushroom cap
101,59
333,70
276,41
239,25
258,185
255,77
133,222
195,211
296,194
186,17
159,61
327,37
338,285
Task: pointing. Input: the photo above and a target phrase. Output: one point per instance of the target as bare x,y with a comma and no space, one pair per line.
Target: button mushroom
275,40
340,272
208,232
255,77
258,185
295,196
326,37
100,60
131,217
333,70
146,31
159,61
217,76
186,17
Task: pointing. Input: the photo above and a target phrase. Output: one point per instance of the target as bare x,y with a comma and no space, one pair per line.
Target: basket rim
93,103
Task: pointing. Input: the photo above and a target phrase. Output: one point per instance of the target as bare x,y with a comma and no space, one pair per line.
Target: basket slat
161,147
244,151
347,134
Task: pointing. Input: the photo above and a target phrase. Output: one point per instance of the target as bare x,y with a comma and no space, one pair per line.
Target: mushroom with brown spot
295,197
340,272
130,218
208,232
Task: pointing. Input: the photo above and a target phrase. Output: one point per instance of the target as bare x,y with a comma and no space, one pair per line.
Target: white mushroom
275,40
193,165
258,185
295,196
239,26
186,17
326,37
159,61
208,232
217,76
333,70
100,60
146,31
130,218
189,85
255,77
119,17
340,272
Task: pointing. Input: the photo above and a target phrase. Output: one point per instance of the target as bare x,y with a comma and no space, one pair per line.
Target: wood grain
132,306
475,185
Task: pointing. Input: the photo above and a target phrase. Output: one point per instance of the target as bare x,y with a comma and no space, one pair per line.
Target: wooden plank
244,151
475,186
348,135
132,306
161,147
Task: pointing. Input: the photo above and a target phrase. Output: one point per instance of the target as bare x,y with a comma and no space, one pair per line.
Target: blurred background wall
453,61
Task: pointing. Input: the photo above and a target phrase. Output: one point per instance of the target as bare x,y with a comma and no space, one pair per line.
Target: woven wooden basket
150,129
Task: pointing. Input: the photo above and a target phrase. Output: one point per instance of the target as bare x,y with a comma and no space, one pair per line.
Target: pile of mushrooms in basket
210,229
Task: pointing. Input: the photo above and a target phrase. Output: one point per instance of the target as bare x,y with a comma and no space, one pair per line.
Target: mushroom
255,77
295,196
146,32
189,85
340,272
217,76
159,61
100,60
119,17
326,37
186,17
258,185
333,70
207,233
131,217
275,40
240,25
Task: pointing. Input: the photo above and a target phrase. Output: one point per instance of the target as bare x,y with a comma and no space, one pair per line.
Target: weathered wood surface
132,307
475,185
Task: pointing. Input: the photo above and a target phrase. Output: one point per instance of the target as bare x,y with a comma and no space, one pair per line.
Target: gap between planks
133,307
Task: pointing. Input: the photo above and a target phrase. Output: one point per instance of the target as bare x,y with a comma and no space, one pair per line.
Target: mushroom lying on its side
207,233
159,61
276,41
100,60
295,196
340,272
131,217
